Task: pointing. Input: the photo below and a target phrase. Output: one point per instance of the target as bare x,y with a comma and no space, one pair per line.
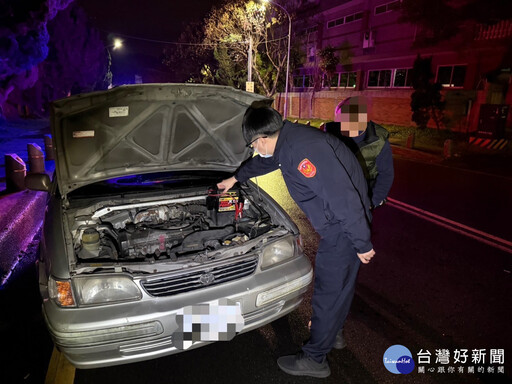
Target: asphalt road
429,288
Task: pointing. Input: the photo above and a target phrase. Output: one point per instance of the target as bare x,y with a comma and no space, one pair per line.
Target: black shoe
340,342
302,365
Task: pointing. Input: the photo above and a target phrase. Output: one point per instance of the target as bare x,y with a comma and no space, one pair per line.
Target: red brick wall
385,106
391,110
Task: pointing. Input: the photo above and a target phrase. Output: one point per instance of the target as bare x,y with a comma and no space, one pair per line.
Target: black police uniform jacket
323,177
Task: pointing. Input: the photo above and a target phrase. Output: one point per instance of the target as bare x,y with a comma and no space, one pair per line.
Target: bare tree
190,60
239,29
328,63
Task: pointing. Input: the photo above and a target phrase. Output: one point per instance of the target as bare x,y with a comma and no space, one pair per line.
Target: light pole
285,109
118,43
249,61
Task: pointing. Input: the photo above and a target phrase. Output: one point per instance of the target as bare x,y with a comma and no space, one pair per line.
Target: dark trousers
336,267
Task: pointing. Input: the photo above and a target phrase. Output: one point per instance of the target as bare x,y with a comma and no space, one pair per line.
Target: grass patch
429,140
314,122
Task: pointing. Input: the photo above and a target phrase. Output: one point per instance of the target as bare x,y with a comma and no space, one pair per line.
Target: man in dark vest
369,142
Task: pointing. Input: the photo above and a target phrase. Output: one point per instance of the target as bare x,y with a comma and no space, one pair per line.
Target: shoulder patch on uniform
307,168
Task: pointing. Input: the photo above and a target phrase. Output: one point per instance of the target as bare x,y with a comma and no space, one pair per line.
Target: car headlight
278,251
105,289
93,290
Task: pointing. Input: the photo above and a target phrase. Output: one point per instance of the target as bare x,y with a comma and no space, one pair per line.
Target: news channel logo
398,360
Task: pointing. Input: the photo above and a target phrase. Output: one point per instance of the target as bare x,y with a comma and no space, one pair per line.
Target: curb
468,162
60,370
19,223
415,154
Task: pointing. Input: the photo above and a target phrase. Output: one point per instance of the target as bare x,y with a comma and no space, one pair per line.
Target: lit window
451,76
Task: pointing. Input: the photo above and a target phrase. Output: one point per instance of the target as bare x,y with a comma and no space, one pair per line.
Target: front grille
203,278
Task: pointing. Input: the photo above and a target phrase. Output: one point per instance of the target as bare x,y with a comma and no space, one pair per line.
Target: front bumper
130,332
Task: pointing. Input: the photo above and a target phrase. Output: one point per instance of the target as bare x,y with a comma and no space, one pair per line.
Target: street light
118,43
285,109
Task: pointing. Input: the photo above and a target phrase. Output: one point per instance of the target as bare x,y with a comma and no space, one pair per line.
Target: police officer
369,142
325,179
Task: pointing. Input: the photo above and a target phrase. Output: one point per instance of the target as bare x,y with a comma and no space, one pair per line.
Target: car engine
169,229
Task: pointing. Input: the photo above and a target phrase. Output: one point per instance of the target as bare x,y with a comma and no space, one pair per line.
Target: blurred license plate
218,320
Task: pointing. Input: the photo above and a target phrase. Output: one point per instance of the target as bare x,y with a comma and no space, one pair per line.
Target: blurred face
353,118
353,124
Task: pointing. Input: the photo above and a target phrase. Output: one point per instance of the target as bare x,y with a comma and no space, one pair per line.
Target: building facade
377,51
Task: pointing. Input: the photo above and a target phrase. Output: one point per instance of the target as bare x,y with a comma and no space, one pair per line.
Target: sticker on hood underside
118,111
82,134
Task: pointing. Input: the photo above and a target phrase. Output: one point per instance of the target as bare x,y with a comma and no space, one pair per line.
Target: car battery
228,202
220,205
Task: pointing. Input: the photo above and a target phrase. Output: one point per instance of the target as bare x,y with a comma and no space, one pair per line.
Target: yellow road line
60,370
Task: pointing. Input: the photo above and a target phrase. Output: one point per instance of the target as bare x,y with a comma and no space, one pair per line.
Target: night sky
154,20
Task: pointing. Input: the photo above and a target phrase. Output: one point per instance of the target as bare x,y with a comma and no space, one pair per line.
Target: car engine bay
169,229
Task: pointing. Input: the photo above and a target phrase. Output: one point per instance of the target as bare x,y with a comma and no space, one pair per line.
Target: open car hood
145,128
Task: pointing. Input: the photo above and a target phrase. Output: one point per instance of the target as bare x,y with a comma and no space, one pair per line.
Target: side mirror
38,182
